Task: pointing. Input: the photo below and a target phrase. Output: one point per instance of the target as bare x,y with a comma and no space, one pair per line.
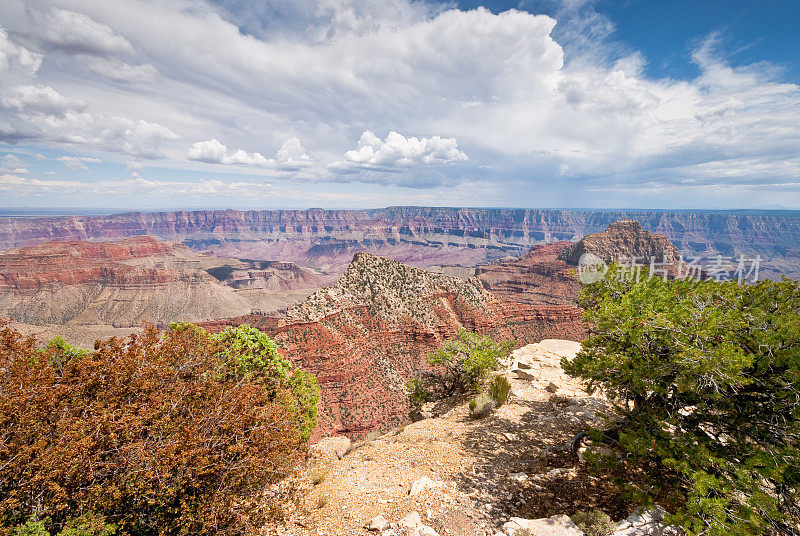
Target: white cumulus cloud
396,152
40,99
290,156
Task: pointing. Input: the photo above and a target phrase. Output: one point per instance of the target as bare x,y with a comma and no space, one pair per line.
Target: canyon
365,335
420,236
362,337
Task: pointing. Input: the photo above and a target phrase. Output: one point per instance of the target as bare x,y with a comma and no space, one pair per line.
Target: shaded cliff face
367,334
623,240
417,235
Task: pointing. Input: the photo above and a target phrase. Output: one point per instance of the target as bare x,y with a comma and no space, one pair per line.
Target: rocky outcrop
365,335
622,241
540,276
391,291
420,236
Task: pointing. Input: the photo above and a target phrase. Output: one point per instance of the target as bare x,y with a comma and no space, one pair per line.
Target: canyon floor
476,474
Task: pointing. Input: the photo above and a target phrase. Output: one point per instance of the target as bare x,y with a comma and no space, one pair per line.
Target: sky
182,104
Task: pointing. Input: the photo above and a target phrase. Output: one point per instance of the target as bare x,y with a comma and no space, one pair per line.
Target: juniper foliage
705,377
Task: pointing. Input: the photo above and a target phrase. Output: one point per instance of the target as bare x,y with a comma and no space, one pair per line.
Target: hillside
131,281
540,276
365,335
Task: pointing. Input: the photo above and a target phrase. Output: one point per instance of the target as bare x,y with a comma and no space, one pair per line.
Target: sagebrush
499,389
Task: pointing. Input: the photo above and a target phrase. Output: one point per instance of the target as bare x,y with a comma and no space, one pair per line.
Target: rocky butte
623,240
364,336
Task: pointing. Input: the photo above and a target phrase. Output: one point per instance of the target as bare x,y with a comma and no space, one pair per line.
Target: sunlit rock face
624,239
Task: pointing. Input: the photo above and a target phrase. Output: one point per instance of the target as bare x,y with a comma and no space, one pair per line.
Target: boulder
558,525
412,525
646,523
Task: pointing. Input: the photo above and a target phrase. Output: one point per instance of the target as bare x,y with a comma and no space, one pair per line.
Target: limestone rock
518,477
423,484
377,524
646,523
558,525
412,525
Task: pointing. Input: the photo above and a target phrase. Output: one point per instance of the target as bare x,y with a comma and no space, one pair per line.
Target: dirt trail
483,471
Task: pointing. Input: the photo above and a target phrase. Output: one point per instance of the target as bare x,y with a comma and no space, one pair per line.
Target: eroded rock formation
137,280
623,240
367,334
123,283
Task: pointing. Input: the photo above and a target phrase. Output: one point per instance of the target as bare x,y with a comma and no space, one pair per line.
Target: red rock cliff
364,336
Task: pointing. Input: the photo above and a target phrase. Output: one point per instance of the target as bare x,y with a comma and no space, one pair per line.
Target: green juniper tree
705,377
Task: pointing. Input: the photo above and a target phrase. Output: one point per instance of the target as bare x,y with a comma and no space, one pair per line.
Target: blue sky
129,104
665,31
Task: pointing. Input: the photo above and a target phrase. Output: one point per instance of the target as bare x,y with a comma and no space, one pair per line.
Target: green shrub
60,351
499,389
88,525
464,363
258,359
304,401
254,352
33,527
417,394
704,376
594,522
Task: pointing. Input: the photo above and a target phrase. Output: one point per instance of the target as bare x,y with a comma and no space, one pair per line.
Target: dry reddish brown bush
156,433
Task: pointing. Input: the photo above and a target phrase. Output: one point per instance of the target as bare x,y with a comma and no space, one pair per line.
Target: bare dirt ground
483,471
